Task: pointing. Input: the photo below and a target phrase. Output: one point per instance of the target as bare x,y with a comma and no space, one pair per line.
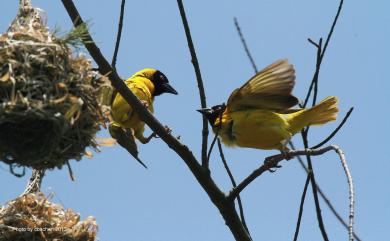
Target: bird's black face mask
161,84
213,113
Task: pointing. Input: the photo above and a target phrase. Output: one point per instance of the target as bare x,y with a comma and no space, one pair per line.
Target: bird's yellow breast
261,129
123,113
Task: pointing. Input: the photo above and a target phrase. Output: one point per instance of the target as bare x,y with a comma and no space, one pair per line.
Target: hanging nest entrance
34,217
49,103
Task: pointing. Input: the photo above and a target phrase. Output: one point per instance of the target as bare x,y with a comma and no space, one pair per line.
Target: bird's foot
286,153
167,129
272,167
145,104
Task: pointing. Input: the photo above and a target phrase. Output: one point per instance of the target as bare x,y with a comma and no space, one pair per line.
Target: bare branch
321,53
248,53
332,28
335,131
314,83
212,147
314,187
119,34
351,191
202,95
71,175
314,80
323,196
301,207
230,174
273,162
313,43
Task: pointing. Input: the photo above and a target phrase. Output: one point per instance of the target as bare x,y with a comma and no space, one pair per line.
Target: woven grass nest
34,217
49,103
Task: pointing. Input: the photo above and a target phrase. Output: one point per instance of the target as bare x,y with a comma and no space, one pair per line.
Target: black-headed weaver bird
126,125
258,115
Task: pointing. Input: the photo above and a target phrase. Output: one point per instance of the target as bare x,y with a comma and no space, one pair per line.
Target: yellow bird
126,125
258,115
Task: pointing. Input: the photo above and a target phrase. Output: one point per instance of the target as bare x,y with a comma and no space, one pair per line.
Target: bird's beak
204,111
168,89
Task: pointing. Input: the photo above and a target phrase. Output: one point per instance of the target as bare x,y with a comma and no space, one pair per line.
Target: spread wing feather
269,89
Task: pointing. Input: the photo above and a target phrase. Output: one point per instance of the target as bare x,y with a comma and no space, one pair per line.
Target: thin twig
212,147
323,196
320,56
71,175
243,41
322,52
317,73
314,187
332,28
351,191
119,34
202,95
301,207
335,130
314,81
272,162
234,184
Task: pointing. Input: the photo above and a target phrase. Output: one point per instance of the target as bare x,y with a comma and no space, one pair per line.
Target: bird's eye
162,78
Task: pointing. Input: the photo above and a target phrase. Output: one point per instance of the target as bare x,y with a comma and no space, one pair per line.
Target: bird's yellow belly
256,129
124,115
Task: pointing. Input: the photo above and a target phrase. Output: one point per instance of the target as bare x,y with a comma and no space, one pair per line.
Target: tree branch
202,95
351,192
314,187
321,55
323,196
314,81
301,207
119,34
243,41
273,162
234,184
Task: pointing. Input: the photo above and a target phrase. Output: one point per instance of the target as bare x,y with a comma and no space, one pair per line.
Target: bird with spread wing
259,115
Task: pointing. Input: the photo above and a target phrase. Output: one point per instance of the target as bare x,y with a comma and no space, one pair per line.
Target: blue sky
165,202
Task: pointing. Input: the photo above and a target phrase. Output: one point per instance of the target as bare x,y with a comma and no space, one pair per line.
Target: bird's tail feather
126,139
320,114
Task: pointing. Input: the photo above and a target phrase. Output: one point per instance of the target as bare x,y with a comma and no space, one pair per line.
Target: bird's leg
285,150
145,140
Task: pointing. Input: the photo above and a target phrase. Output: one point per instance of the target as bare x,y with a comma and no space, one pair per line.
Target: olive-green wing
268,89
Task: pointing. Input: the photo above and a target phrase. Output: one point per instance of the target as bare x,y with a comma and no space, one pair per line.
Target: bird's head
159,80
213,113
